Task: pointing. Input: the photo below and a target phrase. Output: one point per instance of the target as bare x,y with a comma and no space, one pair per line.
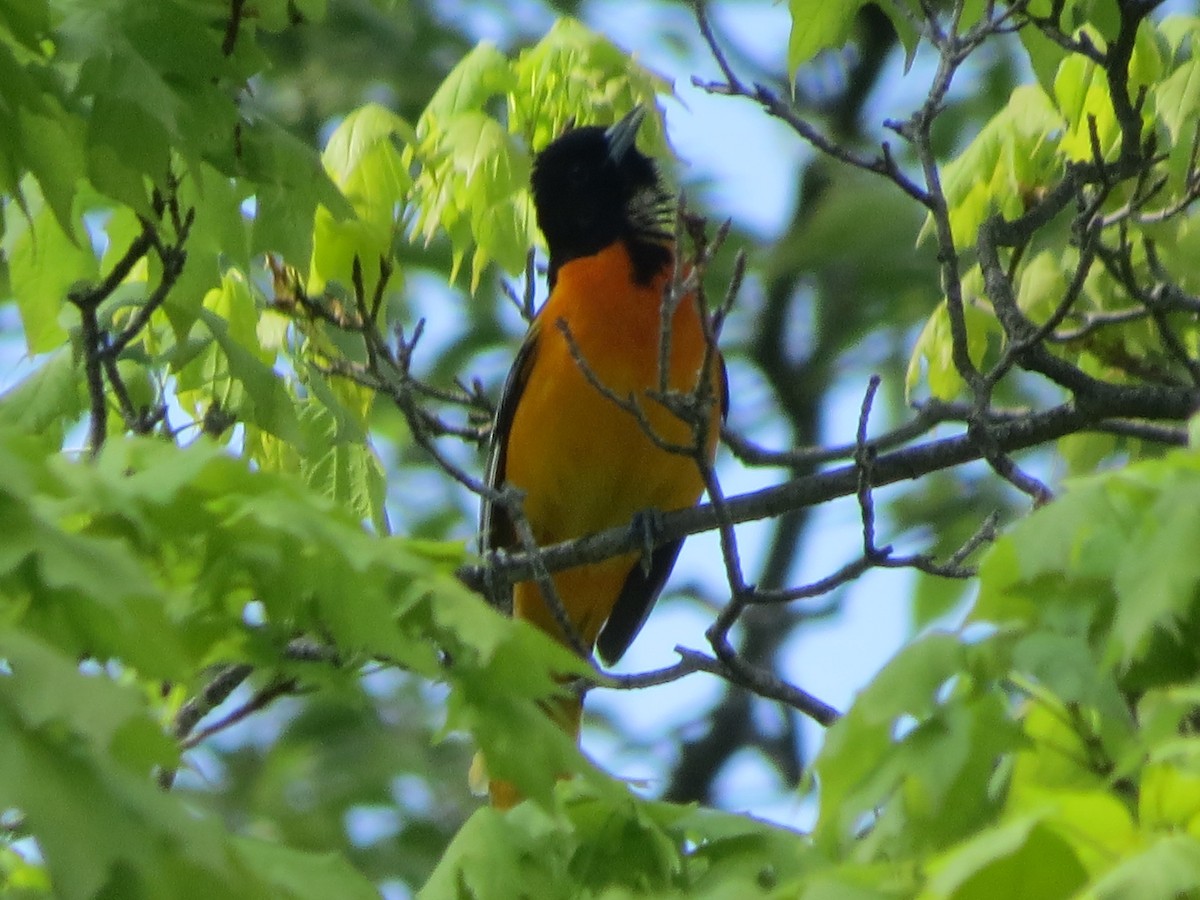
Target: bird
584,460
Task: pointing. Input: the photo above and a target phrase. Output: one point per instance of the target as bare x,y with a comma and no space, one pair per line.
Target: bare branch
224,682
91,337
261,700
775,106
1111,403
231,26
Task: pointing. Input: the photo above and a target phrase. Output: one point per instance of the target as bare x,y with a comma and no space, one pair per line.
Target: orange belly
585,463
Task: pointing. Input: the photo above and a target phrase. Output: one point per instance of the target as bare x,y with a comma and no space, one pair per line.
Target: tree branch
1147,402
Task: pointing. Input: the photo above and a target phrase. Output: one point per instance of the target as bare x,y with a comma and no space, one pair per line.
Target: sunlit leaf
818,26
44,264
1011,156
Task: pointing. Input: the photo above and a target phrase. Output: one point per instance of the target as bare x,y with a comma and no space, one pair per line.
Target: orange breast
584,463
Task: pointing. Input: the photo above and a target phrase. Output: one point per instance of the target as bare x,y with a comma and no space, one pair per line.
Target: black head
592,186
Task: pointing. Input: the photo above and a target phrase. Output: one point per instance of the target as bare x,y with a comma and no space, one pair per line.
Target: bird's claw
648,525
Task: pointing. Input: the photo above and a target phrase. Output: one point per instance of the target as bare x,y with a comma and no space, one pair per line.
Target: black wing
637,598
643,585
495,527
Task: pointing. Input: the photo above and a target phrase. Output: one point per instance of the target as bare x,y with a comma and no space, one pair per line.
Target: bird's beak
622,135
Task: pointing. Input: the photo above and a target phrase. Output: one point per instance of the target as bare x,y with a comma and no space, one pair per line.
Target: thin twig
223,683
628,404
89,333
511,500
261,700
231,26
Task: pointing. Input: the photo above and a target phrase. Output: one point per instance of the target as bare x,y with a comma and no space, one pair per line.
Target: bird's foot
647,524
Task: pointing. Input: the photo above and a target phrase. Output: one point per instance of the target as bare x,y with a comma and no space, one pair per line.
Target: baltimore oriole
583,462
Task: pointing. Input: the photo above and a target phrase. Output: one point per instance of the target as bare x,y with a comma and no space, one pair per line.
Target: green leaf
1042,285
1055,758
576,75
1083,453
219,228
483,73
1013,155
1169,792
1177,29
470,187
934,597
1027,858
1168,867
492,857
87,594
879,881
1081,93
1065,552
730,846
351,474
1066,665
244,384
44,264
128,150
1163,712
47,690
1158,574
817,26
47,400
518,741
52,147
1044,54
21,877
293,873
1177,101
1096,824
364,160
615,847
473,177
165,546
27,23
946,769
355,143
289,184
75,762
933,354
863,763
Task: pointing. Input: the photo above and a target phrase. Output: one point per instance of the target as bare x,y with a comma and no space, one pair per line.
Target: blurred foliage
171,233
